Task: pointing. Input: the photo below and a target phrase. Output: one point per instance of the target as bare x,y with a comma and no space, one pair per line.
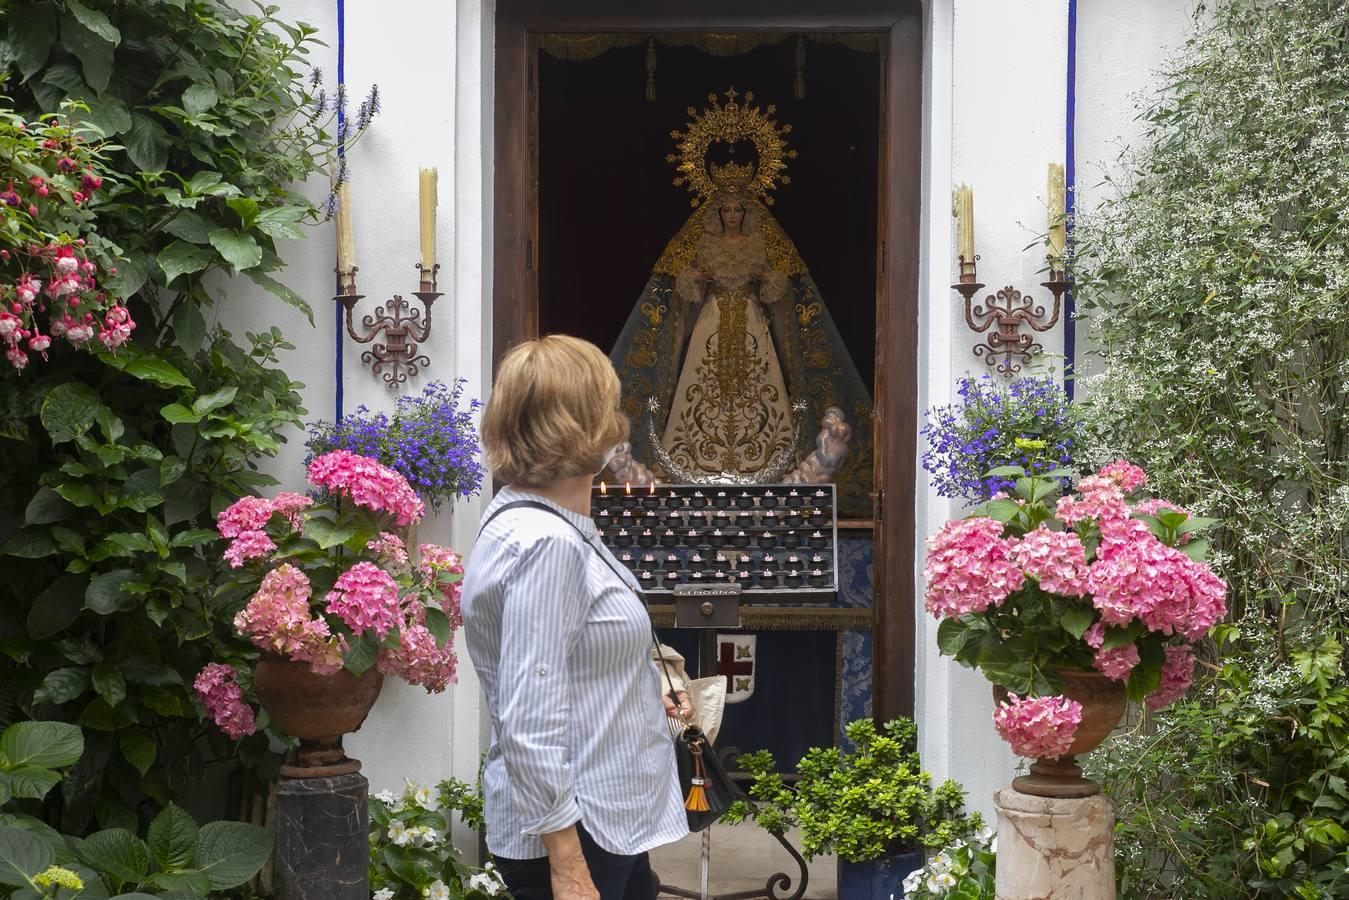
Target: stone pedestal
1055,849
322,838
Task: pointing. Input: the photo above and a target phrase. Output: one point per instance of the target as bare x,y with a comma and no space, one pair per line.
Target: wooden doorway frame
515,278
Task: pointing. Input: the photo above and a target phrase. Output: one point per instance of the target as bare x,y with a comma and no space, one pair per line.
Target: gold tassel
697,798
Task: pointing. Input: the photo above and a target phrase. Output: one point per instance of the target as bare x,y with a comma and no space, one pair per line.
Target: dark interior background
608,205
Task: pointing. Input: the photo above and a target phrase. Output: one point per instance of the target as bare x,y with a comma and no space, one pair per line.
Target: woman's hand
680,710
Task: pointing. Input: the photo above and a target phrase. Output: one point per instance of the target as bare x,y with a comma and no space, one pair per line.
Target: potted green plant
873,806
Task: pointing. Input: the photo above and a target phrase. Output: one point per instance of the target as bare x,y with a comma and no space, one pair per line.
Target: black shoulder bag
703,781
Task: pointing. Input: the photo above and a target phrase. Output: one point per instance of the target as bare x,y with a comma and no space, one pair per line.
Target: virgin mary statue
730,361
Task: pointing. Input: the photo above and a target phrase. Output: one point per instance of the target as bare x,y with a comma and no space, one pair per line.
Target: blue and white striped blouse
563,649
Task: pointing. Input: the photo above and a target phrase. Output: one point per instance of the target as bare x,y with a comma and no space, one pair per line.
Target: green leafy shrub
411,855
1215,283
861,804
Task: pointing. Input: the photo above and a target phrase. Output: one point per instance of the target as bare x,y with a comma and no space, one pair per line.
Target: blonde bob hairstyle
553,412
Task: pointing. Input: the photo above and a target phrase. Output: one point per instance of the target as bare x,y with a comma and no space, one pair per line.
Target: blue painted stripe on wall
1070,177
338,346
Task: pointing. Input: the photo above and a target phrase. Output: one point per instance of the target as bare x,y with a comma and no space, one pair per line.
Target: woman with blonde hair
580,777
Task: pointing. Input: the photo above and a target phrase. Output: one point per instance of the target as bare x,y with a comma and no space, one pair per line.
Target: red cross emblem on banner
736,657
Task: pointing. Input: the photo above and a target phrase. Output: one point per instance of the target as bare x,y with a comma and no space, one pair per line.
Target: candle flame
627,487
603,490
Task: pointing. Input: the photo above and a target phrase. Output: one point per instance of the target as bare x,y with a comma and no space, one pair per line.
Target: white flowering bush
964,870
411,854
1215,284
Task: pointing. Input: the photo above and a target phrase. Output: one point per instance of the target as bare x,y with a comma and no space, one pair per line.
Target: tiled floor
743,857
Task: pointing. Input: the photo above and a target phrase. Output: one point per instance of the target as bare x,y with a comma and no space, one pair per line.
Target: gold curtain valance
575,47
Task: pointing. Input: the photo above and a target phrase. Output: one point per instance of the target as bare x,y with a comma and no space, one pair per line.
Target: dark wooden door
515,277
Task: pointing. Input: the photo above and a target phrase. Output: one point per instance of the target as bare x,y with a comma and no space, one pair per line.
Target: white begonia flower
438,891
941,862
487,881
398,833
946,880
935,887
426,798
388,799
912,882
382,894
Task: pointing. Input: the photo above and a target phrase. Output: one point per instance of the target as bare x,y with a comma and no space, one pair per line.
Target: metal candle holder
395,359
1010,309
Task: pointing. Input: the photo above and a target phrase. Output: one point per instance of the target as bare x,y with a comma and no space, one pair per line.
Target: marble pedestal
322,839
1055,849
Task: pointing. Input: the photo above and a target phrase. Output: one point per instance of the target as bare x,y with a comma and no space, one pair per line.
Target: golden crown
731,123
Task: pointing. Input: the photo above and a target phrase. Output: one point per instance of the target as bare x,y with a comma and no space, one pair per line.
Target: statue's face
732,214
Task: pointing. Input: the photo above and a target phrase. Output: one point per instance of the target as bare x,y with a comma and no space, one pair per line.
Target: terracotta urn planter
316,709
1103,703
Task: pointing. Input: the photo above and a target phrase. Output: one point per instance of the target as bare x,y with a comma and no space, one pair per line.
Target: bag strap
535,504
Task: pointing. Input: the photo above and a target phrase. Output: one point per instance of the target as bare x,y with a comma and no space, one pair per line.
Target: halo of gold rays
731,123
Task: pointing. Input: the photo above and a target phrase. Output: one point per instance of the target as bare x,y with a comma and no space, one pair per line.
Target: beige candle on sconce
1058,229
964,210
428,220
346,242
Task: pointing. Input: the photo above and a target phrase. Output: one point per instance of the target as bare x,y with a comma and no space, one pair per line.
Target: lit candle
651,492
604,490
1058,230
428,218
346,243
627,488
964,210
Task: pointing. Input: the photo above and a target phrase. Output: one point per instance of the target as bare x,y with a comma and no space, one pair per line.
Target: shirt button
542,671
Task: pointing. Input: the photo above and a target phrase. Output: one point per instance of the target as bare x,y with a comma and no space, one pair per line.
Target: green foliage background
116,464
1216,285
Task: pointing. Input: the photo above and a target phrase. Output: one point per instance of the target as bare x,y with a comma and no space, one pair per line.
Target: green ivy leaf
246,208
30,544
238,249
51,745
199,98
112,117
78,493
133,270
99,716
147,144
32,36
179,414
280,222
62,685
189,226
263,280
46,507
208,403
182,258
189,327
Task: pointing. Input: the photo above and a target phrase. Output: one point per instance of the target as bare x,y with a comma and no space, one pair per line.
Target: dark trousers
616,877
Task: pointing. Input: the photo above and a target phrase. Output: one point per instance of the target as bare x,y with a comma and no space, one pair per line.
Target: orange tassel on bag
696,801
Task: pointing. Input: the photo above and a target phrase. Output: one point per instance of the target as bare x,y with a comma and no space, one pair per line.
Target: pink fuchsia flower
248,545
291,506
117,327
1038,727
1128,476
418,659
217,687
1177,673
27,289
66,262
17,358
39,342
10,326
366,598
1117,662
1056,559
244,514
368,483
969,568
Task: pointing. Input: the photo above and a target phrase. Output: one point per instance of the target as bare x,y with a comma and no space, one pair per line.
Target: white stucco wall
995,76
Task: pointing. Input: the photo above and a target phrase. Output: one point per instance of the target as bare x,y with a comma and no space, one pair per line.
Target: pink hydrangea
1056,559
366,598
1117,662
1177,673
1161,587
219,691
244,514
389,547
367,483
1095,635
418,660
442,569
278,618
1038,727
1128,476
248,545
292,506
1100,499
1154,505
969,568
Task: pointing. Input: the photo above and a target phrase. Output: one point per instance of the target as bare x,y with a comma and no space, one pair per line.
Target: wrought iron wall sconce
395,358
1007,348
